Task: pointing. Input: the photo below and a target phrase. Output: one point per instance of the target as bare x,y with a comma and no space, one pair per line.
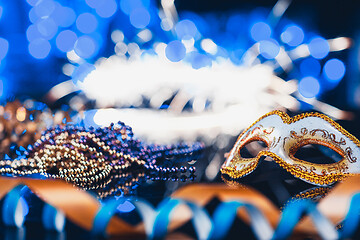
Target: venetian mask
284,136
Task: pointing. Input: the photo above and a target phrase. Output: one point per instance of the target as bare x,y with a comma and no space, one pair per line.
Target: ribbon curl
266,220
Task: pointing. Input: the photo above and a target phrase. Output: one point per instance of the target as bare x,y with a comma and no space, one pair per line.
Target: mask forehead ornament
284,136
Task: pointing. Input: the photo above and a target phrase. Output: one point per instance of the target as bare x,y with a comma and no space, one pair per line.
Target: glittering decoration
22,123
89,158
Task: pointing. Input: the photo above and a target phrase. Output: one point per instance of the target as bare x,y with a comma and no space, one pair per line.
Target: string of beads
88,158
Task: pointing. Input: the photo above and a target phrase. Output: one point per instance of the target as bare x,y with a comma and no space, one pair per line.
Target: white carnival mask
284,136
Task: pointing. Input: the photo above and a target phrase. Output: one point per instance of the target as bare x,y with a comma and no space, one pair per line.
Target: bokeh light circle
319,48
44,8
47,28
269,49
65,40
32,33
64,16
85,47
32,2
186,29
334,70
199,60
260,31
140,17
107,8
86,23
4,48
293,35
2,87
309,87
175,51
93,3
39,48
32,15
127,6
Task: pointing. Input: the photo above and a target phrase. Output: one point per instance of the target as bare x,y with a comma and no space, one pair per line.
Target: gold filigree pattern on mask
285,135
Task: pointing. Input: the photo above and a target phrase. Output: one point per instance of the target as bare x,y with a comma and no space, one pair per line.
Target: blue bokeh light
201,24
64,16
260,31
86,23
309,87
269,49
186,29
127,6
310,67
140,17
334,70
32,15
233,34
85,47
319,48
32,2
32,33
65,40
39,48
200,60
93,3
47,28
44,8
4,48
107,8
293,35
1,88
175,51
126,207
99,40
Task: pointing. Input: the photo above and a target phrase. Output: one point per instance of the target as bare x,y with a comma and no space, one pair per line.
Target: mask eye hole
252,148
318,154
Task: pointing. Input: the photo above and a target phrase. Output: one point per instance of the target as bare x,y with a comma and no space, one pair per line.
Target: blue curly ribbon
147,214
12,213
156,221
105,213
200,219
53,219
109,208
225,215
352,218
292,215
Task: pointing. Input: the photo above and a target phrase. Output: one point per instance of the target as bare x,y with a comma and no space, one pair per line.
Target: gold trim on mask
330,173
